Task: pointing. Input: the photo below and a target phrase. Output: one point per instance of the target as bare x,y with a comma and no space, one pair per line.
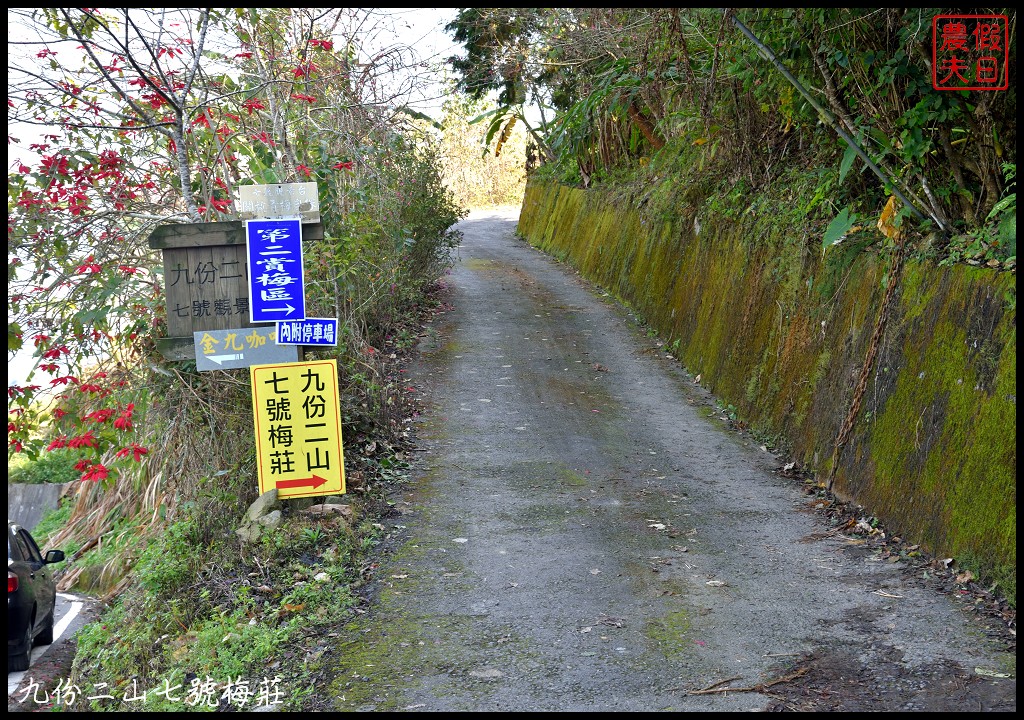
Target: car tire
23,655
45,636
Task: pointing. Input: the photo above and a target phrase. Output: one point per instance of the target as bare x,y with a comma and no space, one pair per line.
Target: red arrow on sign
312,482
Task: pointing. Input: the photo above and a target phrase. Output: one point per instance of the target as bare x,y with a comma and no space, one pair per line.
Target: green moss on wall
941,440
780,331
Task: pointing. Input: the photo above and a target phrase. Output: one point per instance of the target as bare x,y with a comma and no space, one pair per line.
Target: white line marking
62,625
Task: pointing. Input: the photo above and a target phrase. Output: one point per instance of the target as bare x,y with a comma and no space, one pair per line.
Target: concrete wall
779,329
26,504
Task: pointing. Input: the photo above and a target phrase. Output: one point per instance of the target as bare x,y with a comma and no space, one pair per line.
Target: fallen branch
89,545
714,684
720,682
760,687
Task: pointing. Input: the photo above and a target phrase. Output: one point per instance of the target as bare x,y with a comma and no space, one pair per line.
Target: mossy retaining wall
779,330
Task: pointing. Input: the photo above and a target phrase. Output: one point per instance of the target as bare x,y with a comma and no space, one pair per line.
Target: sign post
205,280
311,331
274,251
273,201
221,280
240,348
298,428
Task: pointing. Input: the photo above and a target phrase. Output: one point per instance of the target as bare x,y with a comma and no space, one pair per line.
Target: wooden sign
238,348
205,280
300,200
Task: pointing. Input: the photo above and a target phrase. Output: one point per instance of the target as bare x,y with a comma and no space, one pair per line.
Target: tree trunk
645,127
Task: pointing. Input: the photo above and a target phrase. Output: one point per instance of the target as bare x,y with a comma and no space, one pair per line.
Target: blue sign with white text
311,331
274,250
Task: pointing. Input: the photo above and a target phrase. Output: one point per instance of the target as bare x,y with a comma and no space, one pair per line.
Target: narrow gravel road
582,533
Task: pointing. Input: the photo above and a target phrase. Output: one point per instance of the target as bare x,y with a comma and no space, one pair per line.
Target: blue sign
274,251
311,331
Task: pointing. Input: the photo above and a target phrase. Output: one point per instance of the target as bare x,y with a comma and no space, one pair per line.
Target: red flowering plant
138,138
82,285
88,417
85,297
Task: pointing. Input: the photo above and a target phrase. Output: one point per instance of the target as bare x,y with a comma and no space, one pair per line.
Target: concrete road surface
581,533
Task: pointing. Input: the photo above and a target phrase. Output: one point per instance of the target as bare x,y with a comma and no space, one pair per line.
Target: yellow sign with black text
297,416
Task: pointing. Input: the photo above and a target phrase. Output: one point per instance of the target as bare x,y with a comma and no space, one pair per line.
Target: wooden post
206,280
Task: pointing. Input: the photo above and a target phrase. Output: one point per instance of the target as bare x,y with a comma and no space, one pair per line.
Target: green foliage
1003,215
1008,205
499,46
582,131
57,466
627,85
848,157
202,609
838,228
994,243
224,646
169,564
51,523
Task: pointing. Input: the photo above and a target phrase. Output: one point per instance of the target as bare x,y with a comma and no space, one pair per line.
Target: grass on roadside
220,623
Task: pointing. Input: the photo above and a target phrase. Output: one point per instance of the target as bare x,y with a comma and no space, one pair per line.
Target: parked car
31,596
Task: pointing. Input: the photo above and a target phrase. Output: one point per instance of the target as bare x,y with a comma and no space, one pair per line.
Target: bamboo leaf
888,221
838,228
492,130
505,133
848,157
420,116
1002,205
487,114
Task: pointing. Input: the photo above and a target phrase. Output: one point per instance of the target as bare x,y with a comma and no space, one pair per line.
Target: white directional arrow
289,308
219,359
261,351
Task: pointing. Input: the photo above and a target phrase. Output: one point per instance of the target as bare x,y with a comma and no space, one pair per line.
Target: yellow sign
298,428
